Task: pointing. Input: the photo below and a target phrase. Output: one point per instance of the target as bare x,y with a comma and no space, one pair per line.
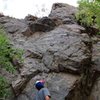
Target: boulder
63,12
61,50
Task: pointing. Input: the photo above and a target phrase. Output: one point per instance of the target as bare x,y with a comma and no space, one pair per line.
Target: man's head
39,84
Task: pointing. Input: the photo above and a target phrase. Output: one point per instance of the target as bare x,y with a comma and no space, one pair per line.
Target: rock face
42,25
56,50
13,25
96,59
63,13
95,95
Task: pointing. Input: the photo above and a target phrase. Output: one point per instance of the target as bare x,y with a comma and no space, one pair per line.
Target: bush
7,53
89,13
4,92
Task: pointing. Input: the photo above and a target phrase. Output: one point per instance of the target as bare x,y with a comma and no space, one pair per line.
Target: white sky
21,8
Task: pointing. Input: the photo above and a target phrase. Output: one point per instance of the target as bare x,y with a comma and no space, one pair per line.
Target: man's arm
47,98
46,94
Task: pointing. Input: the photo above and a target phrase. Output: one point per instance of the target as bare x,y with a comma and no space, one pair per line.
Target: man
43,93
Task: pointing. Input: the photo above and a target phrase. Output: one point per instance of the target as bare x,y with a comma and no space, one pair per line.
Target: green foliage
4,92
98,33
7,53
89,13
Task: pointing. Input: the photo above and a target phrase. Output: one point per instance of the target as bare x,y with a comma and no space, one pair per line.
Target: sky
21,8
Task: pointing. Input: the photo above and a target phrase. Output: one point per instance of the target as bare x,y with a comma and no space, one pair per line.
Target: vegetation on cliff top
89,13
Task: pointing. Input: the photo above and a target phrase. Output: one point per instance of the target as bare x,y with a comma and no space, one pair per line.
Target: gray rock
21,82
30,18
96,54
68,21
62,47
63,11
13,26
60,50
42,25
46,21
95,95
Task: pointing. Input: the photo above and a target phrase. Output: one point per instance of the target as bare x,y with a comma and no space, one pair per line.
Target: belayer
43,93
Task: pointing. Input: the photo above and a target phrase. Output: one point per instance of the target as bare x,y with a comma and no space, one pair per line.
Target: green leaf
89,13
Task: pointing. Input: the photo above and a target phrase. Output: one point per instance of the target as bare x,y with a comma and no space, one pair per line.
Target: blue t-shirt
41,94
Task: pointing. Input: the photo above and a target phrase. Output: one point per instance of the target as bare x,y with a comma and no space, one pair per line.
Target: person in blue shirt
43,93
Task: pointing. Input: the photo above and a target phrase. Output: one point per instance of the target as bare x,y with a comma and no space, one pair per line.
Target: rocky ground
57,50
